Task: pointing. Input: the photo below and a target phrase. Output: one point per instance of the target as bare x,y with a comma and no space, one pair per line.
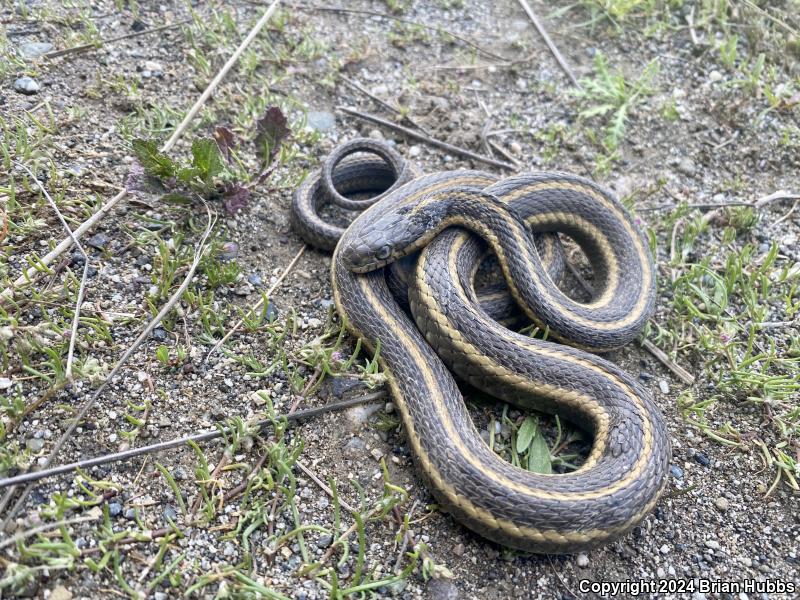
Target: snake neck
504,231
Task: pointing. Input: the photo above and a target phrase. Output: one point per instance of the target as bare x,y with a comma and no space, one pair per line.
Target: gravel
343,447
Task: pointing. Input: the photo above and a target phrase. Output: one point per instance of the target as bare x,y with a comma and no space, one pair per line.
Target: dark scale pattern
559,513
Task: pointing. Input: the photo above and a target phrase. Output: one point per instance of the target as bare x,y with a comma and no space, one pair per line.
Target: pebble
663,386
6,383
170,513
376,453
35,444
686,166
664,549
380,90
34,49
60,593
130,514
582,560
713,544
459,549
661,573
152,69
228,549
26,85
389,408
714,76
230,250
414,151
114,509
676,471
442,589
321,121
324,541
722,504
160,596
98,240
702,459
375,134
354,447
179,473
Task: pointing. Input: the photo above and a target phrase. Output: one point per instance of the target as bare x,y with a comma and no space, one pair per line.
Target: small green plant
215,170
611,96
162,355
728,51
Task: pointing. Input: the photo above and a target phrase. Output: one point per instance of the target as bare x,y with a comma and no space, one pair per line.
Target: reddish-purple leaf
271,131
235,197
226,141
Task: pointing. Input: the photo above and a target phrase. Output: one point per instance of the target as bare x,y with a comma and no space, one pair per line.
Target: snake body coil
445,215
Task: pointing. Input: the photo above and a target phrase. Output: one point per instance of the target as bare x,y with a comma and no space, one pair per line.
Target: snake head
391,236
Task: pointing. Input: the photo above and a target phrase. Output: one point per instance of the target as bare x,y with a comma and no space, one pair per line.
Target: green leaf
154,162
206,158
539,455
162,354
188,174
526,433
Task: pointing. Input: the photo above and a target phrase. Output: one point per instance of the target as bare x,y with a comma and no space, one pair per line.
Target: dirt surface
696,136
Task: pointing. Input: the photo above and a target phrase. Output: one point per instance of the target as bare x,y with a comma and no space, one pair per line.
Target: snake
437,325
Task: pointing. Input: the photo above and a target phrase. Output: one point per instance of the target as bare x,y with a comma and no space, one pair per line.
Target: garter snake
443,216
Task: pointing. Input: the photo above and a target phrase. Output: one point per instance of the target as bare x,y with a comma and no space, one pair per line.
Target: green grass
732,315
729,312
612,97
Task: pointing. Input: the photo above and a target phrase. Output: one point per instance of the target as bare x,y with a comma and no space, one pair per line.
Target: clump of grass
733,310
611,96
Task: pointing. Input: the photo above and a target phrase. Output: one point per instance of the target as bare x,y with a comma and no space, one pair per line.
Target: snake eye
384,252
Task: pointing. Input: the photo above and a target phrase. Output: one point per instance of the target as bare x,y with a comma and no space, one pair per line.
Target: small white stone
714,76
663,386
713,544
414,151
582,560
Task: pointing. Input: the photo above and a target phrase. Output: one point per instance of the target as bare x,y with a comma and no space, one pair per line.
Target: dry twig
174,443
427,139
82,289
386,105
550,45
84,47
